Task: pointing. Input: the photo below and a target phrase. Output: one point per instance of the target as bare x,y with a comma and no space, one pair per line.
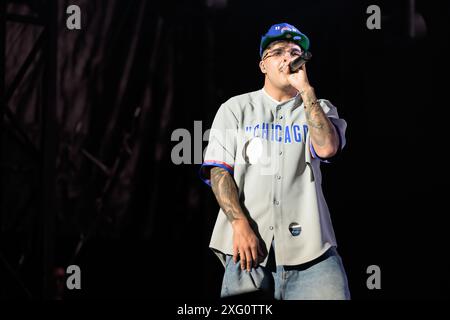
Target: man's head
279,46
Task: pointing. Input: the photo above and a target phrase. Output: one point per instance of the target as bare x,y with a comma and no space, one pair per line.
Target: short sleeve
340,125
221,149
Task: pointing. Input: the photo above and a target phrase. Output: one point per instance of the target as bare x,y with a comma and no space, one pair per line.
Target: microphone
297,63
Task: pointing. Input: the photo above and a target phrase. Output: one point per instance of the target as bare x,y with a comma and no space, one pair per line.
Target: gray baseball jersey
265,145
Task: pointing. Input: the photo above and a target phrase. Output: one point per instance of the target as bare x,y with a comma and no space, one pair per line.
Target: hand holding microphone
297,63
299,80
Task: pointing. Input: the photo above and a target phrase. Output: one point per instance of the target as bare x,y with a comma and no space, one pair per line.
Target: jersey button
280,153
271,227
281,117
276,202
278,177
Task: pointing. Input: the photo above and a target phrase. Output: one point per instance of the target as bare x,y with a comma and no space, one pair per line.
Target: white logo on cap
286,28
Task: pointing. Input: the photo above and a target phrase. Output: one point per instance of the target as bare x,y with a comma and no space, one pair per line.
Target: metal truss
43,15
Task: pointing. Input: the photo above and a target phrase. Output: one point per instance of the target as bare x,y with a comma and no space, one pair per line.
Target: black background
146,233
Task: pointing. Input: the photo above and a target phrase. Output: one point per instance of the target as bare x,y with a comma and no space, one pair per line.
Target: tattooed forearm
322,131
319,124
226,194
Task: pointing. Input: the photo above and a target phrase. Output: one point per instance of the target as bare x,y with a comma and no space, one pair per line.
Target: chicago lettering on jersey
275,132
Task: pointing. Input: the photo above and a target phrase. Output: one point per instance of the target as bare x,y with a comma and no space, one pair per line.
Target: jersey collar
279,103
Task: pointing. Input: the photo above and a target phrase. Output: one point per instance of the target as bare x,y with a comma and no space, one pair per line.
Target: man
273,232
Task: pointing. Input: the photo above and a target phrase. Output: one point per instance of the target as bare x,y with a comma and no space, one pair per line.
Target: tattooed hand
245,242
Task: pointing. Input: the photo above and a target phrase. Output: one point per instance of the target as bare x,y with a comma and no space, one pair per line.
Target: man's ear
262,66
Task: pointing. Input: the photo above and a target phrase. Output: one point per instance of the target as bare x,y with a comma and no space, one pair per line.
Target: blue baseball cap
283,31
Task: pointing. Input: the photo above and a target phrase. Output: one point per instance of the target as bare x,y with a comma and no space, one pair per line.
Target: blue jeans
323,278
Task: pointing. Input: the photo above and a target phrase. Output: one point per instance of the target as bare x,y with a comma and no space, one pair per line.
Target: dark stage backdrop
86,141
